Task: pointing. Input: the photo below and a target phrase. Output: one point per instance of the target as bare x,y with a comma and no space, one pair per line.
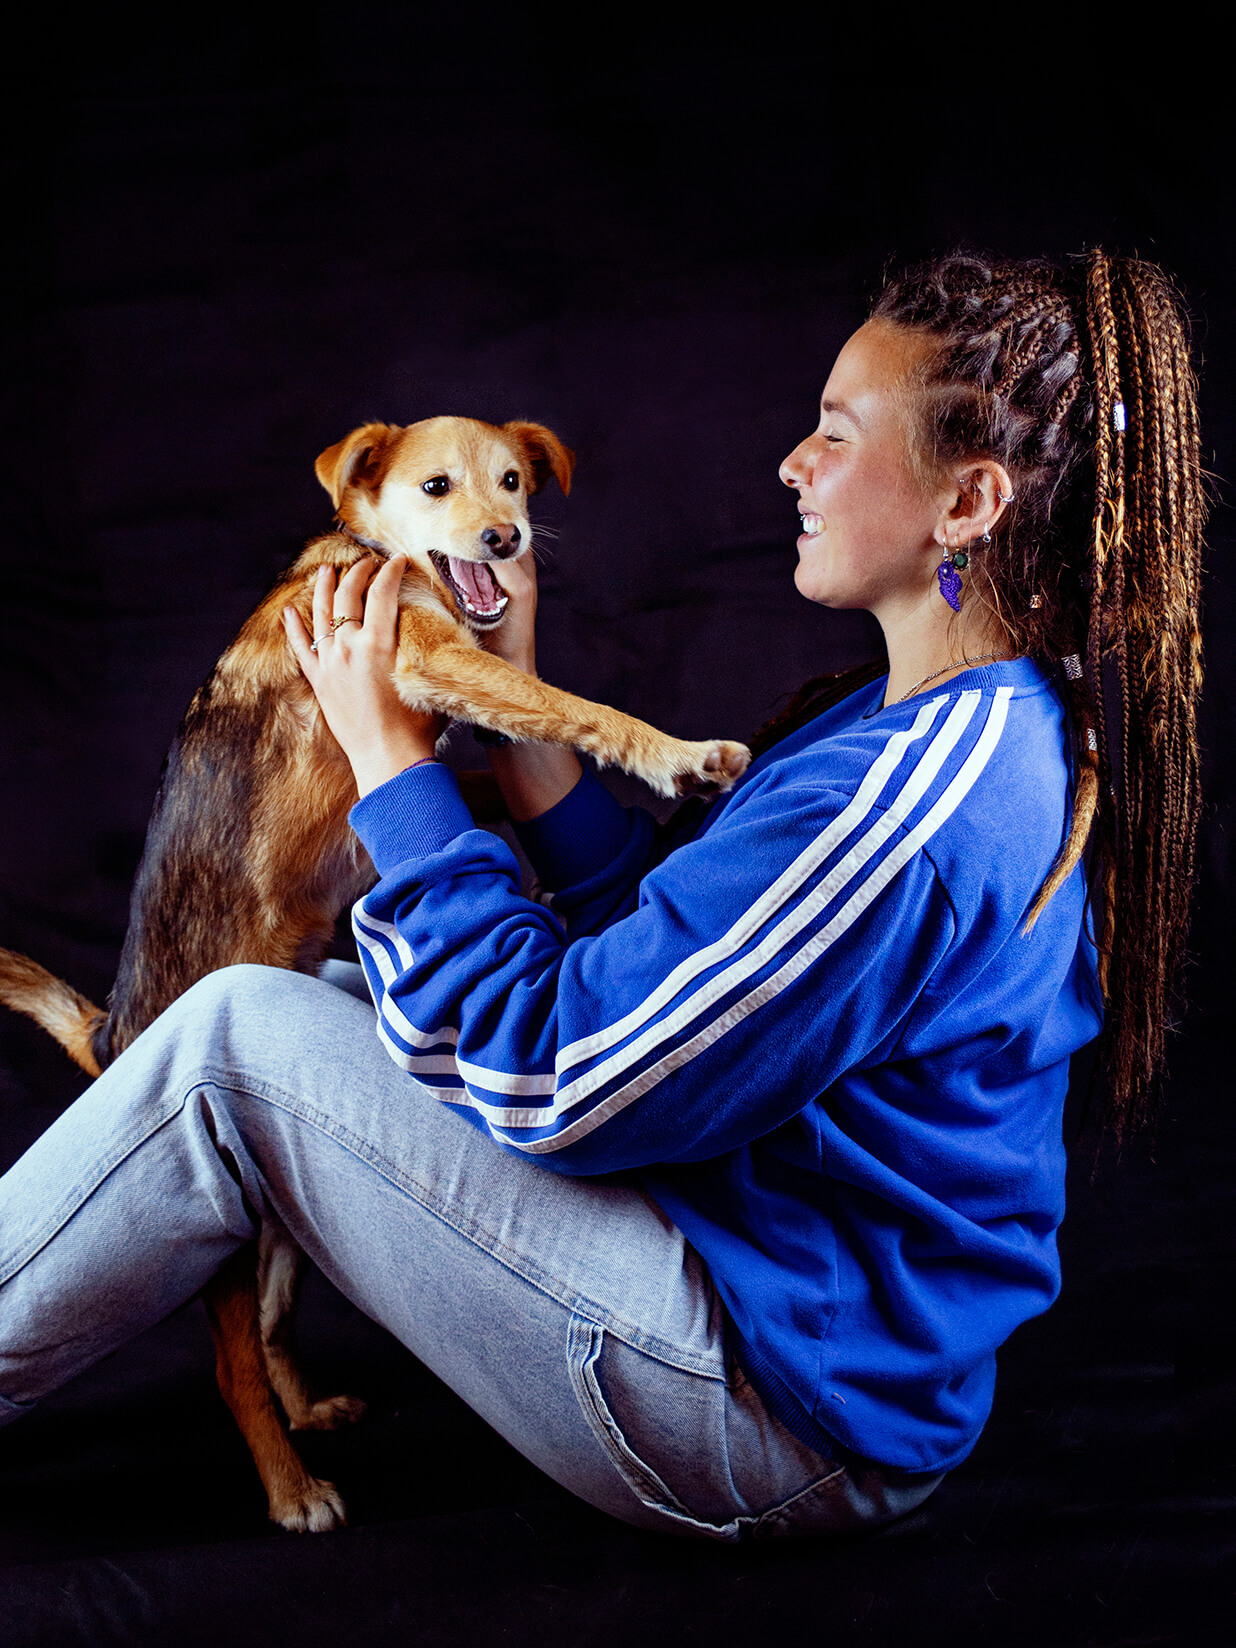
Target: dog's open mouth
478,594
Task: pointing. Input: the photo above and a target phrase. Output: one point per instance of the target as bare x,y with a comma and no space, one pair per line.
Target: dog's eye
437,487
511,480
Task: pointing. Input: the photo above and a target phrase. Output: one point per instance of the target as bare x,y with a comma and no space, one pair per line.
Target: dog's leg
298,1501
471,685
281,1266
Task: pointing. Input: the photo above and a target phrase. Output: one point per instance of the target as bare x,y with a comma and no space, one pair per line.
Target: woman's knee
236,1017
246,994
242,981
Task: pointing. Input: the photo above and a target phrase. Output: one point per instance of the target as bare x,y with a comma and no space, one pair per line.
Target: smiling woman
717,1186
873,528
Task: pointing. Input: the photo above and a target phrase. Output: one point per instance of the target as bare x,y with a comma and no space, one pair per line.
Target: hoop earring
953,563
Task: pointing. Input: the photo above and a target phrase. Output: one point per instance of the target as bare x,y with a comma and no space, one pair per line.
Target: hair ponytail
1083,390
1144,641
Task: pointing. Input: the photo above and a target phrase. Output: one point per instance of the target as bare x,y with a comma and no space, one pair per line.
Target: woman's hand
351,673
515,637
532,777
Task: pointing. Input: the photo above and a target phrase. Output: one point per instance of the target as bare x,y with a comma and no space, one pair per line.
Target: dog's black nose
502,540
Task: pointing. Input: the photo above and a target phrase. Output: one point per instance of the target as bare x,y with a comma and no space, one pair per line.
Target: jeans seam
778,1512
648,1345
76,1198
10,1410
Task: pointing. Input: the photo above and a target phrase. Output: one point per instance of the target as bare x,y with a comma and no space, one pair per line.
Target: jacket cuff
577,837
418,812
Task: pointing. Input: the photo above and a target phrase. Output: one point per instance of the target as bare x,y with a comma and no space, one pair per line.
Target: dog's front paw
721,765
315,1507
329,1414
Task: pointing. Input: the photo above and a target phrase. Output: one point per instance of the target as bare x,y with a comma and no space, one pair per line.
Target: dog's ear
355,458
546,454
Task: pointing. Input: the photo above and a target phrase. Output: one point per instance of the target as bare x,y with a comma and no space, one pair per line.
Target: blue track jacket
814,1031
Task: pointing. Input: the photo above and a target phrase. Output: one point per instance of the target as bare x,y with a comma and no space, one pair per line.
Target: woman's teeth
812,525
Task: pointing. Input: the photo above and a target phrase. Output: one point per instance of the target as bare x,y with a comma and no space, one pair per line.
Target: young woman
716,1188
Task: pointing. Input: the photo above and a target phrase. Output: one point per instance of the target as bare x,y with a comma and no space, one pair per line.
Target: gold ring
338,623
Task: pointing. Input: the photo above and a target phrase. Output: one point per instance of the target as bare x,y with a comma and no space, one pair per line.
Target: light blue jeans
569,1313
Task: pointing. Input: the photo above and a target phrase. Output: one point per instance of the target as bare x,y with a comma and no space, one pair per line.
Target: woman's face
868,521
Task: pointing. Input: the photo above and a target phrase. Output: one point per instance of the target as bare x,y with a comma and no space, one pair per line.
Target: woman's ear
980,496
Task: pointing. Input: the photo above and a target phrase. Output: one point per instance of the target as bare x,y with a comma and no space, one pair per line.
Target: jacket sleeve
759,962
591,854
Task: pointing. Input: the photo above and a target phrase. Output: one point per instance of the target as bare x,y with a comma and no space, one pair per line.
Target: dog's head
450,493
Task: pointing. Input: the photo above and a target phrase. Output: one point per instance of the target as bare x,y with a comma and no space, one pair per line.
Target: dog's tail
62,1011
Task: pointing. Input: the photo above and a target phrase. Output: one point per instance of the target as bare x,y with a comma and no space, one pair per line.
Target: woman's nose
794,469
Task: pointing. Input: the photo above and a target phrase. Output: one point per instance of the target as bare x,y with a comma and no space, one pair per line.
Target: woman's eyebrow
842,410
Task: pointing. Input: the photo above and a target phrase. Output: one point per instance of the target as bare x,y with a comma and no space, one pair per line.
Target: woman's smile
866,517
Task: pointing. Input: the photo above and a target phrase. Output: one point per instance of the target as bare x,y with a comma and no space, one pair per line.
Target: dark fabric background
237,233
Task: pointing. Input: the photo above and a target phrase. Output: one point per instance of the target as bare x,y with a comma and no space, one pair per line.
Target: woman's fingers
299,639
517,577
349,600
349,597
515,638
382,600
368,593
323,601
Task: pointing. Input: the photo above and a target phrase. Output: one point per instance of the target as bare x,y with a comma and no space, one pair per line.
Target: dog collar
365,543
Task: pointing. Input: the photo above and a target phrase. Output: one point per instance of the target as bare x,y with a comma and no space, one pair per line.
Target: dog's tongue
478,584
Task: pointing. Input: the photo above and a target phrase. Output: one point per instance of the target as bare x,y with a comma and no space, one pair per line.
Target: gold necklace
961,663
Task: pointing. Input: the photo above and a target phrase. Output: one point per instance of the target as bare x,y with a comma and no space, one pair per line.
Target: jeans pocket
708,1460
652,1423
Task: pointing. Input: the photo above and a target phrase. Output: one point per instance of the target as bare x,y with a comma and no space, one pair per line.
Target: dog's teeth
484,612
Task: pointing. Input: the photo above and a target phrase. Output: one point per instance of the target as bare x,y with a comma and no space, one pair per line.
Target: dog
249,856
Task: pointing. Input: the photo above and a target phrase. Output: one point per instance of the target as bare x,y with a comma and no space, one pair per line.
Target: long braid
1107,527
1044,372
1150,622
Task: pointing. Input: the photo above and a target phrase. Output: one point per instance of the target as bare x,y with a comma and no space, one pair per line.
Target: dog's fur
249,856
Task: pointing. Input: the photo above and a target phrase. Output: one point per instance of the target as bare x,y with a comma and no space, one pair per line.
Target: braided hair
1079,383
1096,564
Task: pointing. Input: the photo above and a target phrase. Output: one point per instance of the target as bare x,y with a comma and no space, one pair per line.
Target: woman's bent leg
568,1312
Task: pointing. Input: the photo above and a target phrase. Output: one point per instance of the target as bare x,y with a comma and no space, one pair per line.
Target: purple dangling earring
948,572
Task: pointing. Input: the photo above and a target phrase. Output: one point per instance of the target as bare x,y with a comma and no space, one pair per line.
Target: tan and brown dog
249,856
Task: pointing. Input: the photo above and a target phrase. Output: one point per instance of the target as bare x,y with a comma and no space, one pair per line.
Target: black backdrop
233,237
